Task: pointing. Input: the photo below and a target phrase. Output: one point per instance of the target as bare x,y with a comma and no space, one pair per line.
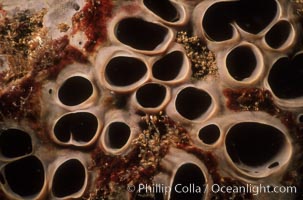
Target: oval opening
286,77
251,16
241,62
168,67
300,118
191,102
15,143
69,178
209,134
75,90
25,177
278,34
151,95
217,19
118,134
188,176
254,16
82,125
163,8
140,34
124,71
254,144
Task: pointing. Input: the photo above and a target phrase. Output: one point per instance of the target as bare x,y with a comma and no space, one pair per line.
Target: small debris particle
298,5
63,27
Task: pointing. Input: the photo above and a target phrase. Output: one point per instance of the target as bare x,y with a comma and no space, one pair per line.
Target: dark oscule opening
118,134
82,125
251,16
140,34
15,143
241,62
163,8
151,95
25,177
217,19
254,16
69,178
209,134
286,77
253,143
169,66
124,71
188,176
75,90
191,102
300,118
278,34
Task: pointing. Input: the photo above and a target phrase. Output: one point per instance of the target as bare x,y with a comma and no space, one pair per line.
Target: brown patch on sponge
92,20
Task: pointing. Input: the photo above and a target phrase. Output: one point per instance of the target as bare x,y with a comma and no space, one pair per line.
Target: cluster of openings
80,127
128,71
24,173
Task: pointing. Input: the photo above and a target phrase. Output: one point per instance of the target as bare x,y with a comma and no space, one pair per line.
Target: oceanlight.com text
213,188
